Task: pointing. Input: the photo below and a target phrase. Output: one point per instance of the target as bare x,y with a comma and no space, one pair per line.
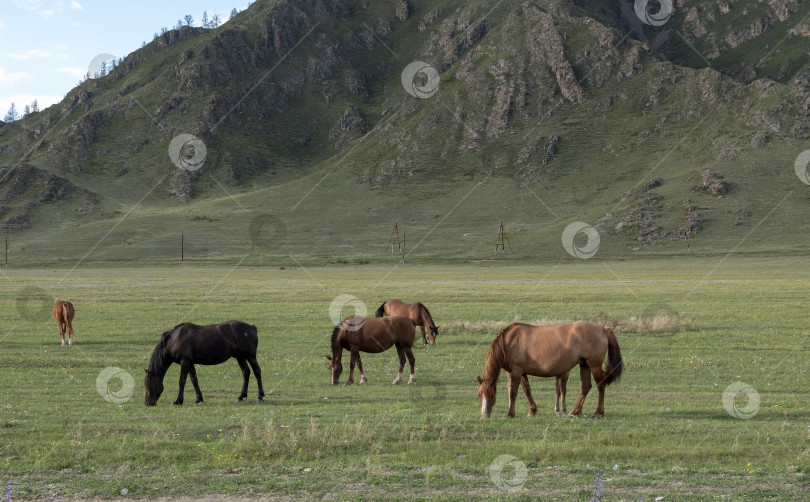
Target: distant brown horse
523,349
188,344
417,312
360,334
63,314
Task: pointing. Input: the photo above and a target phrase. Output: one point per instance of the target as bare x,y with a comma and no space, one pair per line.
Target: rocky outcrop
802,30
349,126
711,182
403,10
180,186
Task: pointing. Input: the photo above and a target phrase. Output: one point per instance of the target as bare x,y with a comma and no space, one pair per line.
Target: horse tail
615,363
66,318
380,311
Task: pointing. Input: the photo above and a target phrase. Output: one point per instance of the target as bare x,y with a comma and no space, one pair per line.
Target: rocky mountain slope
567,110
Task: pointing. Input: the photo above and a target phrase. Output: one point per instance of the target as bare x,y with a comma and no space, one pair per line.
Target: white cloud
30,54
76,5
48,13
73,71
2,25
11,78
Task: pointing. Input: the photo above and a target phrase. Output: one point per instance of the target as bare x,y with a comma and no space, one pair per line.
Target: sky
46,46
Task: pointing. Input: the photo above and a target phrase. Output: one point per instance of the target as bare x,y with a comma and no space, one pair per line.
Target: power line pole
393,240
499,242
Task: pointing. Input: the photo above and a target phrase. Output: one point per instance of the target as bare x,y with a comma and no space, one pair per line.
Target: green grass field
666,432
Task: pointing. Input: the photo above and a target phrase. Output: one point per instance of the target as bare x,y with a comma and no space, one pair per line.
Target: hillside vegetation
542,113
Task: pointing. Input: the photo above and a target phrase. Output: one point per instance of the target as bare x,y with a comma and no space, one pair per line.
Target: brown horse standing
360,334
63,314
523,349
416,312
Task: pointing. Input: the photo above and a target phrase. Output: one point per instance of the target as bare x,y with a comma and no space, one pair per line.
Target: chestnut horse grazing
417,312
63,314
374,334
188,344
523,349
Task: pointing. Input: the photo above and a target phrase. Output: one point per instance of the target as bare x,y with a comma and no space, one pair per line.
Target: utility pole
499,242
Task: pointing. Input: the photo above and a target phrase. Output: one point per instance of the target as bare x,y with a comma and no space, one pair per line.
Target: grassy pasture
666,432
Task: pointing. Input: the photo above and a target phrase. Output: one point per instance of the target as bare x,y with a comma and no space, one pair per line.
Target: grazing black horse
188,344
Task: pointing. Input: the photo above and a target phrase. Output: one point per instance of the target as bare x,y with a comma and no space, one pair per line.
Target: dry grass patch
658,322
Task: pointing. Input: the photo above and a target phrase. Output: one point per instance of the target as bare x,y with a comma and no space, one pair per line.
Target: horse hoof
364,380
598,415
259,401
178,403
239,399
397,381
349,382
199,401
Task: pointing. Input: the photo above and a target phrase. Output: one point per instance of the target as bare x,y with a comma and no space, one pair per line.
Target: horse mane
335,333
432,324
157,364
496,357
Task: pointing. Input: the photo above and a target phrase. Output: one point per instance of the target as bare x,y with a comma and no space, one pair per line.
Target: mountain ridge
537,97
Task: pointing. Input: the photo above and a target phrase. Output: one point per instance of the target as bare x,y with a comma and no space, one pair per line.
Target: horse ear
480,381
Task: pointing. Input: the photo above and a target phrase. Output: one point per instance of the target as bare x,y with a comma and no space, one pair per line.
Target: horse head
486,396
335,367
433,333
154,388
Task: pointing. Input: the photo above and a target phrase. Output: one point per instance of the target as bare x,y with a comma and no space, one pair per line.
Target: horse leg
514,385
524,382
585,374
561,386
246,378
412,363
355,352
193,374
401,354
62,332
424,338
184,367
599,377
363,378
257,372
